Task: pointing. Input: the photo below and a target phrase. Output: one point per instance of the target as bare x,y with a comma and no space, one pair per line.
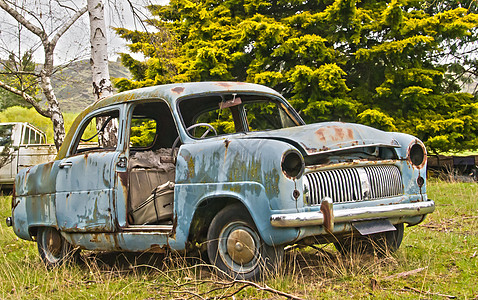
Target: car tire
380,243
54,250
236,248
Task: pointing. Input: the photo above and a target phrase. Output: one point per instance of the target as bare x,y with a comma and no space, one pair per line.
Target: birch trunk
53,106
102,86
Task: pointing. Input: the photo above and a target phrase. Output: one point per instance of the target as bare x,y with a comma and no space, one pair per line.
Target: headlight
292,164
417,155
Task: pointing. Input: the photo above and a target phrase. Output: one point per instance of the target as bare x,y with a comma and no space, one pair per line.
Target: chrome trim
393,144
354,184
354,214
9,221
143,228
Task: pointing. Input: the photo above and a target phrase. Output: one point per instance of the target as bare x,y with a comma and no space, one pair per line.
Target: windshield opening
232,113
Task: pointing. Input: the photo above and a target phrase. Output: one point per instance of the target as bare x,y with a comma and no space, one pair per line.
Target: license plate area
373,226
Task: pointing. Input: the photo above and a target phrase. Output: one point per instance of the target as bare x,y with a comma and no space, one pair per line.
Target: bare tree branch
67,25
21,19
12,72
28,98
65,6
48,42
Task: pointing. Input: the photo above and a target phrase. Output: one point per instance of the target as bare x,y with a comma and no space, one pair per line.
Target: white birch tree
49,41
101,82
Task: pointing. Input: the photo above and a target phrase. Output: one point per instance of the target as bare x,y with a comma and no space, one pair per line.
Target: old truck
22,145
227,168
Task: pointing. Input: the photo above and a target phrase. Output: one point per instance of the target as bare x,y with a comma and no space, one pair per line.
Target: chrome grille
354,184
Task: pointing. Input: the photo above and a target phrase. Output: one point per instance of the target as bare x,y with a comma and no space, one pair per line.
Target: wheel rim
52,242
238,247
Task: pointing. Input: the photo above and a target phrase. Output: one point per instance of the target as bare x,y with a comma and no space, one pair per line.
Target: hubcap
53,243
241,246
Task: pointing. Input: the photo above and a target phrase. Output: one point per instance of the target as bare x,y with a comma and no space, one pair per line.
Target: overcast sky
75,42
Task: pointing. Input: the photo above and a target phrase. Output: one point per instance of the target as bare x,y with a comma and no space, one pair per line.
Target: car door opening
151,166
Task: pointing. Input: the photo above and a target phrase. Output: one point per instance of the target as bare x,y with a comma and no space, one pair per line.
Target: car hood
330,137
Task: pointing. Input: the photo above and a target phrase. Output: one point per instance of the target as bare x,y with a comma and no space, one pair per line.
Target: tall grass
443,251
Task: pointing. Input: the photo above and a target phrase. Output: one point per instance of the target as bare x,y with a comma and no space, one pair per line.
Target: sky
74,44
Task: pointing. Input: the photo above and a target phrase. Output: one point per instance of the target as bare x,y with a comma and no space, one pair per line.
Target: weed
437,259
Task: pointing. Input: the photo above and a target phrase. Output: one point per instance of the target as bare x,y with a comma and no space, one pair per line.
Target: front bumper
327,217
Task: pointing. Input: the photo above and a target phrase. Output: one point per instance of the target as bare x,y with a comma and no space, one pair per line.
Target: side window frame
129,118
73,149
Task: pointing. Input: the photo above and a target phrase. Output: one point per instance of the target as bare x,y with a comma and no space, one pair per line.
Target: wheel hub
53,242
241,246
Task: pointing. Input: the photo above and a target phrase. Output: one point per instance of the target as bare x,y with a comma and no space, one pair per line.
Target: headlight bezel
292,164
417,154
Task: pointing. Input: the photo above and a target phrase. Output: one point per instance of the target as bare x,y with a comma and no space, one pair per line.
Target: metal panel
354,184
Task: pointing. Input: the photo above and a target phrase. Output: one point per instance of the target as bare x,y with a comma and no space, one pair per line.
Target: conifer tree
389,64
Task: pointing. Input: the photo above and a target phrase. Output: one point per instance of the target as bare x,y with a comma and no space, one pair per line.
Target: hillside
73,84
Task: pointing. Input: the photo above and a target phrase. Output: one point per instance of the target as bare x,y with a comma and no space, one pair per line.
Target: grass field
438,259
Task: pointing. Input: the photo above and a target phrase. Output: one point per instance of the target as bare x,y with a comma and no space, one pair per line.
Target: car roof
174,91
169,93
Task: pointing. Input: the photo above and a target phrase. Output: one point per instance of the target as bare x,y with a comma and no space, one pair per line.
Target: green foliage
18,76
30,115
160,49
390,64
143,132
377,119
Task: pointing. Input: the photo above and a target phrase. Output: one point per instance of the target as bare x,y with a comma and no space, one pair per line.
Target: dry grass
437,260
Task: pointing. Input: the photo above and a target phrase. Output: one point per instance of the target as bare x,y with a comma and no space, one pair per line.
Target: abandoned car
226,168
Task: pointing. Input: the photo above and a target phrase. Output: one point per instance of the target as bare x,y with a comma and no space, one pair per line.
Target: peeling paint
88,201
178,90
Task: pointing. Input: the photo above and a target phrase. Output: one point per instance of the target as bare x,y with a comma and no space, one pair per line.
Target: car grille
354,184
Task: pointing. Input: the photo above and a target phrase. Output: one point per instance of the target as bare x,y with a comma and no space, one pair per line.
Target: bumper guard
327,217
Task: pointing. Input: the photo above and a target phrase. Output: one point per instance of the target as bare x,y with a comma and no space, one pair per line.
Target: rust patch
123,176
342,134
309,150
229,84
425,155
46,170
177,90
334,133
321,135
326,208
227,142
14,203
175,224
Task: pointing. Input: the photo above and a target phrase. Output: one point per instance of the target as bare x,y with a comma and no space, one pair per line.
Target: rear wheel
379,243
53,248
237,249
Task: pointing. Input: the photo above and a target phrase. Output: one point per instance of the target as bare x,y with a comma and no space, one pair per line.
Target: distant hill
73,88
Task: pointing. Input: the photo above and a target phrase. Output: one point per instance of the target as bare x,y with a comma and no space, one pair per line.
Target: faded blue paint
84,194
20,219
329,136
88,201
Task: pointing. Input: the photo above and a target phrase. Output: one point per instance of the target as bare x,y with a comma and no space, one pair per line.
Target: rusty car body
246,175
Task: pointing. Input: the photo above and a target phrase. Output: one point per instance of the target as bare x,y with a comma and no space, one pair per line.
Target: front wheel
237,249
54,250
